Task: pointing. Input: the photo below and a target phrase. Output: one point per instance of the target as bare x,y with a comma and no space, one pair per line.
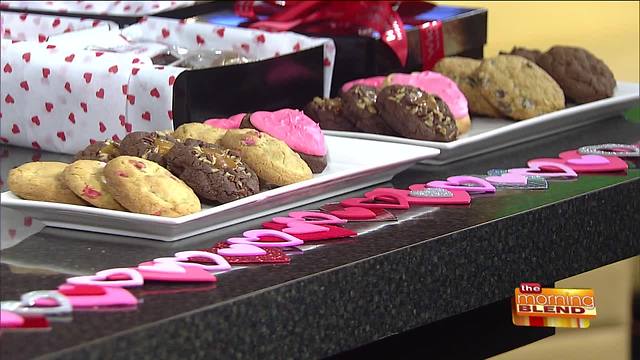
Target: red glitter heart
273,256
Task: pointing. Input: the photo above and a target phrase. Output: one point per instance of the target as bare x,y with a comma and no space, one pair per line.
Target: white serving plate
352,164
489,134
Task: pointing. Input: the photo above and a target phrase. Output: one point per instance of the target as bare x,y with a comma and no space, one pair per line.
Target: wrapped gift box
436,32
57,96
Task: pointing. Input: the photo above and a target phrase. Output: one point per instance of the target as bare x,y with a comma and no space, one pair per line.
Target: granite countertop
434,263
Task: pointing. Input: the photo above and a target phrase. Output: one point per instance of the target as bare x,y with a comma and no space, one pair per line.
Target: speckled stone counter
435,263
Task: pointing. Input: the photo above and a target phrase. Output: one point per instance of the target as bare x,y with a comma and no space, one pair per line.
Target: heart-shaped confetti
252,237
272,256
183,259
466,183
559,170
311,217
167,272
331,232
132,278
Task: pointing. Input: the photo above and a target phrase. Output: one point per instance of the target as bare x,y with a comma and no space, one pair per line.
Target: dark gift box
459,31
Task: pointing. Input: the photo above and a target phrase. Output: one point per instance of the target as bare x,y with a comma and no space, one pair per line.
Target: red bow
365,18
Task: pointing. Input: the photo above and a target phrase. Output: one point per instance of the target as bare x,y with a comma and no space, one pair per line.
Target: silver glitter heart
497,172
533,182
611,150
432,192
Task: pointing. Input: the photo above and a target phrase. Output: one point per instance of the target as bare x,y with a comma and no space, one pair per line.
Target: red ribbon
338,18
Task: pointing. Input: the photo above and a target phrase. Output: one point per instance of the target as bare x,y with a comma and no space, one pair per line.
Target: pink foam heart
302,227
182,259
508,178
536,165
241,250
456,183
459,197
613,164
9,319
166,272
131,278
113,296
588,160
252,237
308,217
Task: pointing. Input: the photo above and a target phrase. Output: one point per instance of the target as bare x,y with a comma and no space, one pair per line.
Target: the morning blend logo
534,305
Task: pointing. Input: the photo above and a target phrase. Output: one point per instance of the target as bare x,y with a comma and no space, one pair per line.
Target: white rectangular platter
488,134
352,164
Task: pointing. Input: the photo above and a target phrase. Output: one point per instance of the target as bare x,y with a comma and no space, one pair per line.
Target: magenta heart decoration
168,272
508,179
10,319
458,197
302,227
476,184
242,250
252,237
113,296
591,163
308,217
182,259
535,169
132,278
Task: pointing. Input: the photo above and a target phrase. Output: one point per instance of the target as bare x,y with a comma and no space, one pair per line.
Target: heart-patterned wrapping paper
56,96
115,8
34,27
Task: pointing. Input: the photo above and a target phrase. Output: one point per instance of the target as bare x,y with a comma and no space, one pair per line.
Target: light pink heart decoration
9,319
168,272
241,250
535,166
133,278
302,227
613,163
508,178
456,183
252,237
113,296
182,259
307,217
588,160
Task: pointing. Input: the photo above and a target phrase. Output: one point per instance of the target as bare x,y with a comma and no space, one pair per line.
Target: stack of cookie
422,106
169,173
525,83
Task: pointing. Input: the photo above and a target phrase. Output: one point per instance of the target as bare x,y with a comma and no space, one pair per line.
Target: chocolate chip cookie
415,114
359,105
145,187
328,113
518,88
147,145
272,160
86,179
42,181
530,54
582,76
462,71
100,150
198,131
214,173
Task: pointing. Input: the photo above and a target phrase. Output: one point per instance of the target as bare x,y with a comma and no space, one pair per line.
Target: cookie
530,54
446,89
416,114
359,105
374,81
582,76
147,145
273,161
297,130
145,187
518,88
462,71
86,179
214,173
328,114
99,150
42,181
198,131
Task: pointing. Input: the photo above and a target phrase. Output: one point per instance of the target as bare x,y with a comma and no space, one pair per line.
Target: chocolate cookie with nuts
214,173
152,146
416,114
328,113
359,106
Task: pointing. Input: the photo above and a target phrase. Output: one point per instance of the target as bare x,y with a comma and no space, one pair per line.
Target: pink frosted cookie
233,122
297,130
440,85
376,81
